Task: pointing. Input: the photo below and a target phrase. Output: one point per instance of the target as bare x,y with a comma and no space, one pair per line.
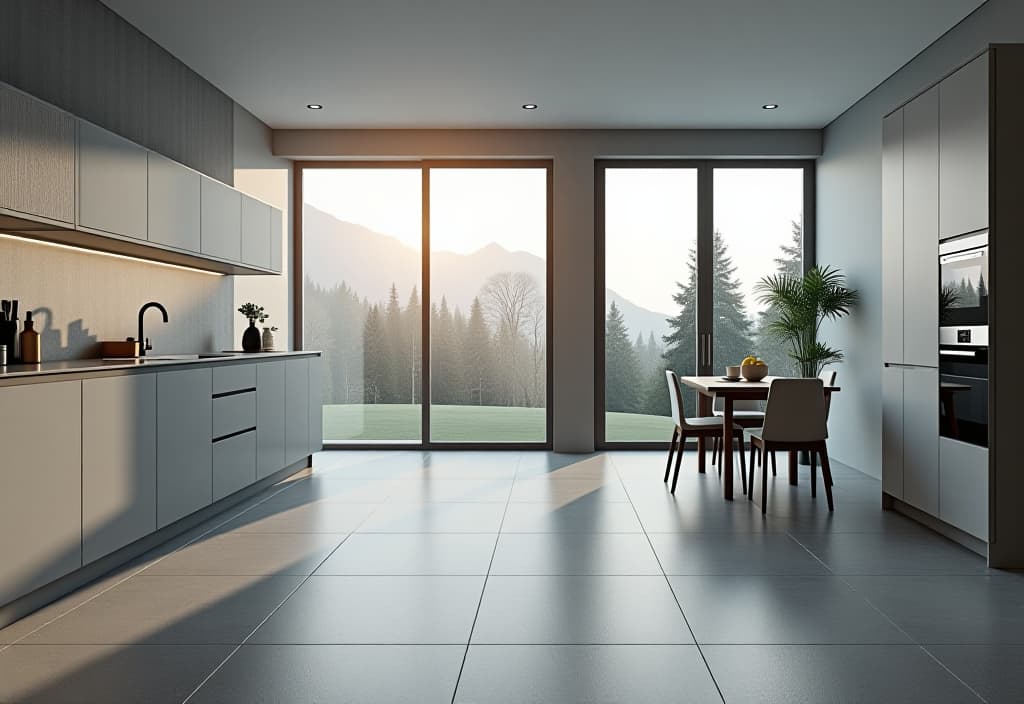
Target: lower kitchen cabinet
40,485
316,405
892,431
118,462
296,404
921,438
184,435
270,418
234,464
963,486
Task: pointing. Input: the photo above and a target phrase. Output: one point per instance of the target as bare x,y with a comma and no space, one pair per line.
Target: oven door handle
961,256
958,353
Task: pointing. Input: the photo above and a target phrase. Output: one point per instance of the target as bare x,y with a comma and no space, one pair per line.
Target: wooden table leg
727,448
792,468
703,410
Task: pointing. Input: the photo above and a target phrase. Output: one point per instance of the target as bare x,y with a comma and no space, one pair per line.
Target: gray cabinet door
276,239
921,438
118,462
40,485
220,220
963,149
921,230
316,405
173,204
296,405
963,486
892,238
184,435
255,232
892,431
112,177
234,464
37,150
270,418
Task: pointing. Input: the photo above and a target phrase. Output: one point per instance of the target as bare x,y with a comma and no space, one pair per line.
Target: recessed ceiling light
770,106
315,106
530,106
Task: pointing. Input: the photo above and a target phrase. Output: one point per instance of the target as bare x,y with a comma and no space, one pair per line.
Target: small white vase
268,340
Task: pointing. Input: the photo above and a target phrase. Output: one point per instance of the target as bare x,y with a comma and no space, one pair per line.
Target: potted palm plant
799,305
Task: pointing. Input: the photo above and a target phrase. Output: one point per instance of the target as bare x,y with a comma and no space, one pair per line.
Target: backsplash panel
79,298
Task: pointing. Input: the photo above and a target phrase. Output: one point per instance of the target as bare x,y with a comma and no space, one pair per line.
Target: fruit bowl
754,372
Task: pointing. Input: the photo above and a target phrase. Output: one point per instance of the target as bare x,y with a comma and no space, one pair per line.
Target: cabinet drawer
234,413
234,377
234,464
963,486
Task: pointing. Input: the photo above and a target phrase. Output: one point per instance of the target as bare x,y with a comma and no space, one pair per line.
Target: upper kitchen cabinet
173,204
255,232
221,221
37,150
112,183
892,237
963,149
921,230
276,240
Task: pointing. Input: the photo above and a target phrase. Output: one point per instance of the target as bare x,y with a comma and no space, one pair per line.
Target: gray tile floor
532,577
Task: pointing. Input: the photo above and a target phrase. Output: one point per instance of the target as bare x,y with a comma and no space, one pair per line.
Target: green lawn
401,422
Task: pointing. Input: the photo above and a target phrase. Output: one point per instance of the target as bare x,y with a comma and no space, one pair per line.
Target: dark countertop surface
26,372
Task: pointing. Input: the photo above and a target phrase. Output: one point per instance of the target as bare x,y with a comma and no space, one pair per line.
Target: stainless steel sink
170,357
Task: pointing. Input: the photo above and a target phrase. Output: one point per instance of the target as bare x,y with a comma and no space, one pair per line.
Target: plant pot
251,338
268,340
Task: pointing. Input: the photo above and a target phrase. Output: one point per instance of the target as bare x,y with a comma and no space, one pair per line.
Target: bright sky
651,224
651,217
469,208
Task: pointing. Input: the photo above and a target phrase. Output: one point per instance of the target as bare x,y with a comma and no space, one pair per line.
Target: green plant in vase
801,305
251,339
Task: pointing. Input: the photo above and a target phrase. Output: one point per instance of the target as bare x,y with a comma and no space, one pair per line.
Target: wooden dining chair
708,427
794,420
828,378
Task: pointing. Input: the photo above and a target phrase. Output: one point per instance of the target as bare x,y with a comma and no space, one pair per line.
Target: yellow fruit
748,360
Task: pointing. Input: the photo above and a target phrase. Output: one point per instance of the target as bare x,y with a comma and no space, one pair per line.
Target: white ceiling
587,63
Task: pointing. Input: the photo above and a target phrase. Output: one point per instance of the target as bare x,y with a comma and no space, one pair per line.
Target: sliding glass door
426,287
681,247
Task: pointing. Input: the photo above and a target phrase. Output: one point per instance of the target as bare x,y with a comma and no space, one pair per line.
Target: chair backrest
795,411
675,395
740,404
828,378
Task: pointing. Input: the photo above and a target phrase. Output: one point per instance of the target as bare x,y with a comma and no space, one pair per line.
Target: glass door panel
758,232
362,261
488,304
650,297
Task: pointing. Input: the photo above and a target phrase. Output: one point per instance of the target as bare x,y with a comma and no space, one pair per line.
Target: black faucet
144,341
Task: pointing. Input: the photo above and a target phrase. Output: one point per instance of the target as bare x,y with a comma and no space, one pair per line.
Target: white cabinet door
37,151
892,238
184,435
921,438
270,418
40,485
276,239
112,178
296,409
963,486
220,220
173,204
316,405
921,230
118,462
963,149
255,232
892,431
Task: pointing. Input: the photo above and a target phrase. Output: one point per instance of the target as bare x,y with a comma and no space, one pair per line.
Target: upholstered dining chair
746,413
794,420
708,427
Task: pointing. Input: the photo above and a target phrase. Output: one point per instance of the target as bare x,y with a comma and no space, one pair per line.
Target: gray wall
849,221
573,153
80,56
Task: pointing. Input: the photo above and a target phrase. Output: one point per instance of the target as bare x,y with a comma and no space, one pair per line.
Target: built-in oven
963,291
963,393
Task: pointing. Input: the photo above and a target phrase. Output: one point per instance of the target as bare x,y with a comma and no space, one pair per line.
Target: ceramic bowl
754,372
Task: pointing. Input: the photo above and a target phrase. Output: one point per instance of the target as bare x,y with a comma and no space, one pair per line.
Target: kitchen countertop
27,372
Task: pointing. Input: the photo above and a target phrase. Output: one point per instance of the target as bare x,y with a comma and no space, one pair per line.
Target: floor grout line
672,591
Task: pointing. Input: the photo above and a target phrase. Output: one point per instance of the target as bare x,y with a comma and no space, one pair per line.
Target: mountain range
336,251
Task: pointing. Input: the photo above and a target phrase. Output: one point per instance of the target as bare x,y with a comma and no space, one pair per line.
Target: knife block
9,337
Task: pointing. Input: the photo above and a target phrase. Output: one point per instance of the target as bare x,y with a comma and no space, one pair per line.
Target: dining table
709,388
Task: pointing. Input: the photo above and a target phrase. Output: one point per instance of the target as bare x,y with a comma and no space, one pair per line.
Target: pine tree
622,372
773,351
375,369
412,329
396,383
982,289
642,356
443,366
478,365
